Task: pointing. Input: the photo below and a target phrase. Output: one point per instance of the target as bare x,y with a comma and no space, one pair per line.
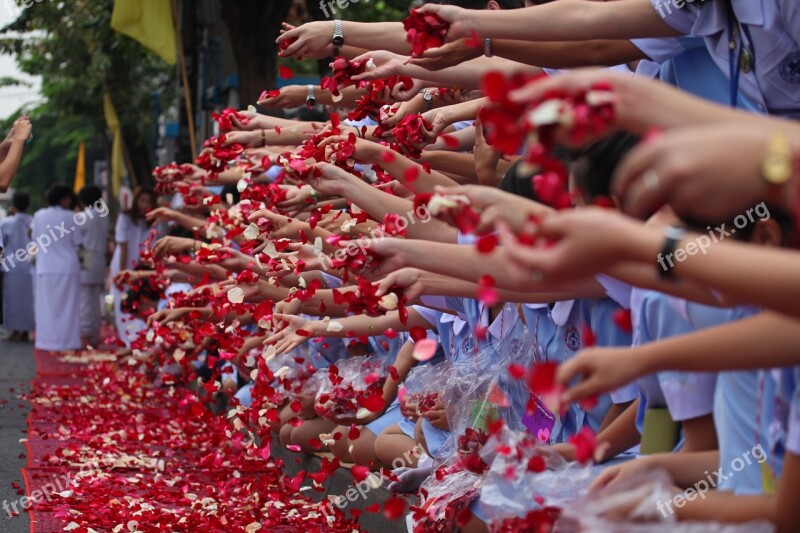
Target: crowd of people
532,293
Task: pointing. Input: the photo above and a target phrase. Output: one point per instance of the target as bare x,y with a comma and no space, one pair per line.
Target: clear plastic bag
352,388
639,505
424,386
444,496
480,394
527,482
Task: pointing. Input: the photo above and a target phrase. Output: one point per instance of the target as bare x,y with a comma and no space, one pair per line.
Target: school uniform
57,280
132,235
766,53
93,274
778,420
17,280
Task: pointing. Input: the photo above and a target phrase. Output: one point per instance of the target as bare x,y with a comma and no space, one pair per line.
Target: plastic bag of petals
290,373
632,505
423,387
353,388
444,498
481,398
528,483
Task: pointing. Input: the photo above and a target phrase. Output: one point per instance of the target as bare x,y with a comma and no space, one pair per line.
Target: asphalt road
17,370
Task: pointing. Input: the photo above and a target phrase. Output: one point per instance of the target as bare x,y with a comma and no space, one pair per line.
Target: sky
12,98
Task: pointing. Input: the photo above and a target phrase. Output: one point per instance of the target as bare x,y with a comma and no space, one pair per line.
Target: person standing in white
10,156
94,233
57,279
131,231
18,315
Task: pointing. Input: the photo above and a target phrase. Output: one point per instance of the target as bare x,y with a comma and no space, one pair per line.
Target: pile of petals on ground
110,452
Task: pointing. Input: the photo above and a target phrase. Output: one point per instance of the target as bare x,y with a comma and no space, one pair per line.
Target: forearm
568,54
725,506
441,285
197,270
686,469
468,75
9,166
389,36
466,263
746,273
764,341
378,204
575,20
400,165
371,326
454,162
646,277
621,434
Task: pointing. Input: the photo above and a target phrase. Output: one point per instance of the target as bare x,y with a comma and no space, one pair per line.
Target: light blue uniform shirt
773,85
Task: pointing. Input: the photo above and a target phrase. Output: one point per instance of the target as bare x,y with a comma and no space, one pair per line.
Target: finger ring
651,180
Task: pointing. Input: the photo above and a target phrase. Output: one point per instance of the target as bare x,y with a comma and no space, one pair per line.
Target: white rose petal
318,246
241,185
363,413
271,251
334,326
251,232
389,301
546,113
236,295
597,98
281,372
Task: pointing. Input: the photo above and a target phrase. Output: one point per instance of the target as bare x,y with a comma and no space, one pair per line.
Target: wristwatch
666,265
487,48
428,97
338,36
311,101
777,167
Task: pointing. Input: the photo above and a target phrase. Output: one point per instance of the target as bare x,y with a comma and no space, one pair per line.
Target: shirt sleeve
121,229
681,19
793,436
790,11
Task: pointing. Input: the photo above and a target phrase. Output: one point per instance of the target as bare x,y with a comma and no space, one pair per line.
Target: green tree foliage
72,47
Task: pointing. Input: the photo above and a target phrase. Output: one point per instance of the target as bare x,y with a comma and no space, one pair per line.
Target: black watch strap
666,259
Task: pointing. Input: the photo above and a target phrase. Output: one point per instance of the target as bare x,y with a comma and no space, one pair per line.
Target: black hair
139,291
593,166
233,190
313,114
518,180
90,195
57,192
21,201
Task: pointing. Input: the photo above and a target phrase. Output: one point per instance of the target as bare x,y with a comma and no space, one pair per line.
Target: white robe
133,235
93,274
57,279
17,281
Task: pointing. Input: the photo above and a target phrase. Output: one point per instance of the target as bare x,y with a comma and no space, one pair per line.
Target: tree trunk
253,26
